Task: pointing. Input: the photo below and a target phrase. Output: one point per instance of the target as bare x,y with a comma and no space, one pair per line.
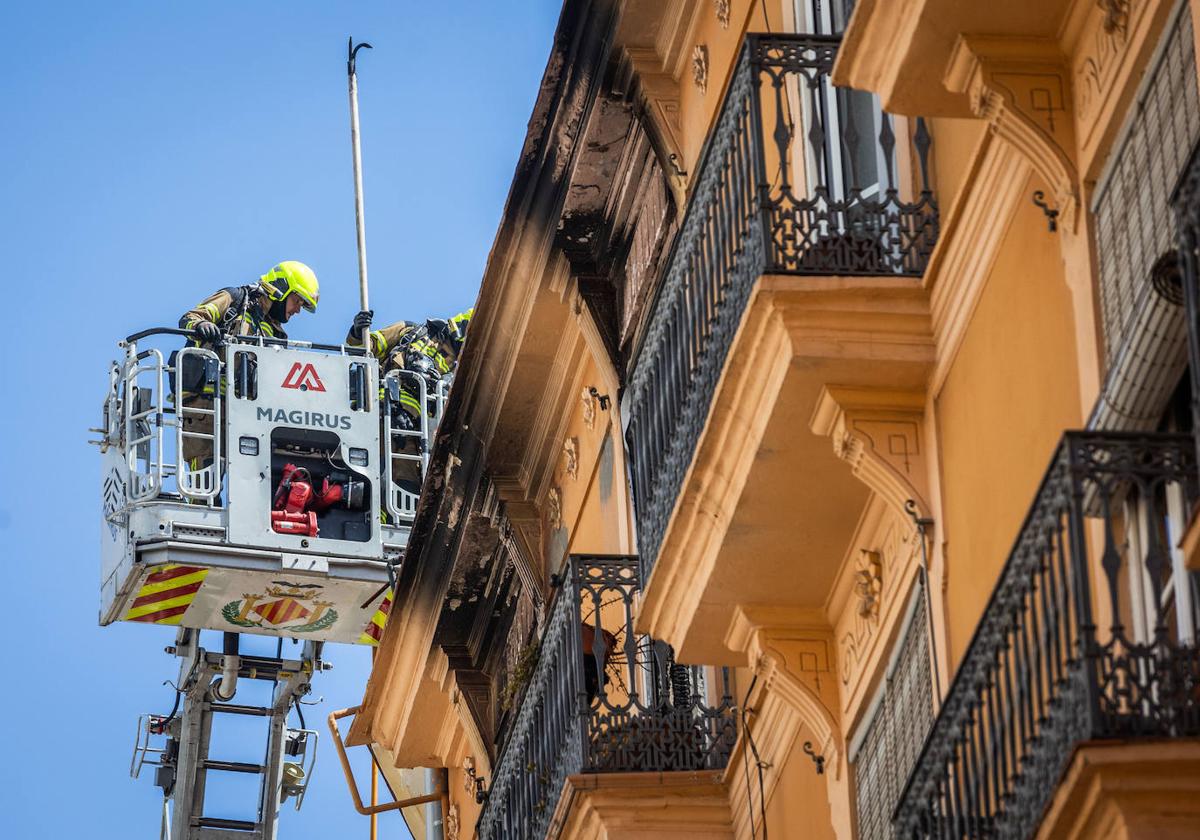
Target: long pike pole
363,300
352,52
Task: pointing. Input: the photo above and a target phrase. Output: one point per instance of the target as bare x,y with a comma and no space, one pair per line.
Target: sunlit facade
820,462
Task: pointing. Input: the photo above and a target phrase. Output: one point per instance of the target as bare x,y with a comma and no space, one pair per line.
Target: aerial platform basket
195,447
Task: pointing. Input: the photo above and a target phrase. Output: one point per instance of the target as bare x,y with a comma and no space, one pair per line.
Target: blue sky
150,153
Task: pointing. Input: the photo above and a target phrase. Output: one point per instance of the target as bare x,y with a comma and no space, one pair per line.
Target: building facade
821,460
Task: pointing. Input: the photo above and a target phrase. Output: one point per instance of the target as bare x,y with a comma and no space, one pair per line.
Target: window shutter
895,732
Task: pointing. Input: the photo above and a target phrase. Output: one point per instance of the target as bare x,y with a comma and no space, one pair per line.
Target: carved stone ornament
722,8
554,509
589,408
452,823
468,767
858,630
1099,58
868,583
571,457
1116,15
700,67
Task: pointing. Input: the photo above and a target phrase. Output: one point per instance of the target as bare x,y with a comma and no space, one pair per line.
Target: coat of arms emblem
294,607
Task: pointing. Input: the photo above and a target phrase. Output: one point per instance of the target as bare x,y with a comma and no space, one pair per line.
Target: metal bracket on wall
818,760
1039,200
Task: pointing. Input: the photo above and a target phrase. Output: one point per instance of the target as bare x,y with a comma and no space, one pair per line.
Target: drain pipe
225,687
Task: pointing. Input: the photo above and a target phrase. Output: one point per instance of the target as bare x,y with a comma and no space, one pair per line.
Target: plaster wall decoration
700,67
1101,51
589,408
571,458
868,583
1116,15
1022,88
452,826
877,573
722,9
468,767
554,509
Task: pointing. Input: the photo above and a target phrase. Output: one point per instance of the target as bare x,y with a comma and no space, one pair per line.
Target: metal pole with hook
351,54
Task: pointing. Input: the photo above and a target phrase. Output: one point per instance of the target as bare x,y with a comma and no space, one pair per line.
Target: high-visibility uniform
237,311
396,346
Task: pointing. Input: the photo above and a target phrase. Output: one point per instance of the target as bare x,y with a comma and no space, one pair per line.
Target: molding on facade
863,640
876,319
796,691
595,806
1022,87
880,433
970,243
793,653
1127,790
742,407
700,67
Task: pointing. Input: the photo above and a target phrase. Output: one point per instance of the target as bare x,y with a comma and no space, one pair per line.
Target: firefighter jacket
394,345
237,310
397,345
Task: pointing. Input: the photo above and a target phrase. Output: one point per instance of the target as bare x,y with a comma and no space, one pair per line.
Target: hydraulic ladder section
207,684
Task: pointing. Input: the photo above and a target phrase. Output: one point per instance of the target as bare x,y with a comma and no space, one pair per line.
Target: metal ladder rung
218,828
235,709
222,822
232,766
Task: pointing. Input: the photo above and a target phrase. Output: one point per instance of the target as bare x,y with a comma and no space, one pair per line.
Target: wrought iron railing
602,700
792,180
1040,676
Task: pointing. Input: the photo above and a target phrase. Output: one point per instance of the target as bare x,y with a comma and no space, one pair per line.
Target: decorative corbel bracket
791,651
879,433
1022,88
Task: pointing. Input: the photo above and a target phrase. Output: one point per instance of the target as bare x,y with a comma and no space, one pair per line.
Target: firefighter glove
438,329
208,332
362,321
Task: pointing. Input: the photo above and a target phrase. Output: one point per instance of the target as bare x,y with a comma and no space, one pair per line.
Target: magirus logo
303,377
296,417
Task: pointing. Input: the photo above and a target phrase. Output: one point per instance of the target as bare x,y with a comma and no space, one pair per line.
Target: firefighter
259,309
430,349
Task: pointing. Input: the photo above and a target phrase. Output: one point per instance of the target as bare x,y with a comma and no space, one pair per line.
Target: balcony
798,179
602,700
1085,639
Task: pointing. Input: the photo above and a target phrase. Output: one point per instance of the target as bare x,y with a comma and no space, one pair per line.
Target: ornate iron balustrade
601,700
1039,677
769,198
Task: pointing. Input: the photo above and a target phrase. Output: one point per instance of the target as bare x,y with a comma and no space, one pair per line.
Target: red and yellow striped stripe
281,611
166,594
374,631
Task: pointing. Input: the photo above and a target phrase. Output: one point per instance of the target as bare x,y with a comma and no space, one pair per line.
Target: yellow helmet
291,277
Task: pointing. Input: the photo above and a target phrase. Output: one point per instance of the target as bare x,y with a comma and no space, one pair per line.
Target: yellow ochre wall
1012,389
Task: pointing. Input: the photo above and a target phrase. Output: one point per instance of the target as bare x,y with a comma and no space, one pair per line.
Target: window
1156,519
852,164
1134,225
888,742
